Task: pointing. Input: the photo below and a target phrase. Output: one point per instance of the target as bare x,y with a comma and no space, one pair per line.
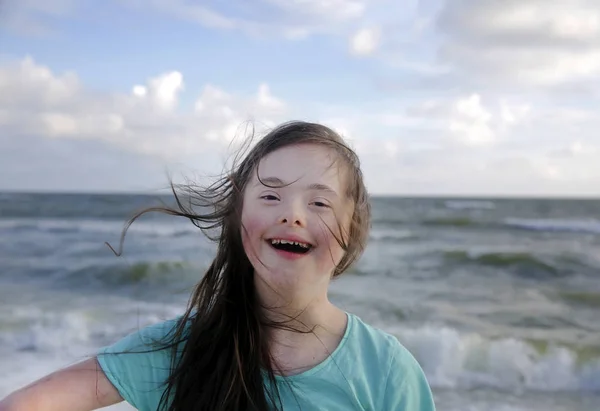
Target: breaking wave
525,264
470,204
453,359
566,225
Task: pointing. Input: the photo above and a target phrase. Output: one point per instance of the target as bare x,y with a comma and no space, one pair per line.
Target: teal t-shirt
369,370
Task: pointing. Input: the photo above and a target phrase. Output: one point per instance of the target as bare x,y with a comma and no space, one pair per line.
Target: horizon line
462,196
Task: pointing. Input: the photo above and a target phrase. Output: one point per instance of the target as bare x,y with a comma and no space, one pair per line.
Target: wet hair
219,348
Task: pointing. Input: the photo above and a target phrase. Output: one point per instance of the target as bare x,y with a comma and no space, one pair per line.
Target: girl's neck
306,340
321,314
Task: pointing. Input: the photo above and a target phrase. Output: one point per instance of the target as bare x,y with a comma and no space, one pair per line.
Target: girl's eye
320,204
269,197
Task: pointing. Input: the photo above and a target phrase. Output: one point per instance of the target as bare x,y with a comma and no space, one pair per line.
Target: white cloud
34,163
29,17
266,99
472,143
512,113
295,19
537,43
509,47
140,91
499,97
331,9
470,121
534,20
25,83
35,101
501,146
163,90
365,41
198,13
465,120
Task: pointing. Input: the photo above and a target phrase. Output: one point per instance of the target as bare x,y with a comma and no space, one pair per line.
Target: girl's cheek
249,232
252,223
328,232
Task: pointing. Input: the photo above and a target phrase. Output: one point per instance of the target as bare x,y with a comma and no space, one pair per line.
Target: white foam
36,342
64,331
160,229
454,360
378,233
470,204
568,225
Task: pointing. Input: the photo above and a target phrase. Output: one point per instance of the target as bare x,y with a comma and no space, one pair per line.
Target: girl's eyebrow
276,181
271,181
322,187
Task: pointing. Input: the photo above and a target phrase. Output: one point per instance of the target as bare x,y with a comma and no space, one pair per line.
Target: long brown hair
219,347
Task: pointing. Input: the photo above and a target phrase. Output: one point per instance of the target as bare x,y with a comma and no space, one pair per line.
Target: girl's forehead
302,162
303,151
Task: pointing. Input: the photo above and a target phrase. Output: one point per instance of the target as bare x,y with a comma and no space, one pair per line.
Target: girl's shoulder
373,341
152,336
388,364
138,364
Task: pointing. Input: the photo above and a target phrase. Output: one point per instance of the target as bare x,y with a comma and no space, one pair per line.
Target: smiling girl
259,332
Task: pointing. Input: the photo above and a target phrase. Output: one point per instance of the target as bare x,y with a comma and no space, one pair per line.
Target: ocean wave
525,264
383,229
388,221
37,330
65,226
565,225
455,360
453,222
50,333
393,235
103,206
149,275
503,260
58,226
450,358
591,226
582,298
470,204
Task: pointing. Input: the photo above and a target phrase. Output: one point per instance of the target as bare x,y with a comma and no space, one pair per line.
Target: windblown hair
220,347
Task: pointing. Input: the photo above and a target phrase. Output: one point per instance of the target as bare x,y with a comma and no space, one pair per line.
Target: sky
438,97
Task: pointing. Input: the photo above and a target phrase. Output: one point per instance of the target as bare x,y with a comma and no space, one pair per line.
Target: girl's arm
80,387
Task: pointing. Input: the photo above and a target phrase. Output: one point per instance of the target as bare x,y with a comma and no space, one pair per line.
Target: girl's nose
293,215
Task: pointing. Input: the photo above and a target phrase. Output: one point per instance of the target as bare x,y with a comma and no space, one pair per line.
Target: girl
259,332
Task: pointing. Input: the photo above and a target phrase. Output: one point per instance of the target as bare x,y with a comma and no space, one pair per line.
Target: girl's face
287,231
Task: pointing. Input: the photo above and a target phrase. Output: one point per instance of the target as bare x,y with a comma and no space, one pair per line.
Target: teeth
277,241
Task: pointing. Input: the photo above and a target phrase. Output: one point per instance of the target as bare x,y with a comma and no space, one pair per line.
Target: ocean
498,299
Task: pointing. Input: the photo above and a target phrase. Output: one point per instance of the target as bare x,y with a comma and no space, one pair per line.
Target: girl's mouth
289,246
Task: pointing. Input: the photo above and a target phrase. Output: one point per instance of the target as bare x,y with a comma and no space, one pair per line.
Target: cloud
162,91
331,9
197,13
35,101
365,41
36,163
34,17
471,143
467,120
546,47
294,19
489,96
537,43
535,22
487,145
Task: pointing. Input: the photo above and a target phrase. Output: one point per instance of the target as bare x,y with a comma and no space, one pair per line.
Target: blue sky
438,97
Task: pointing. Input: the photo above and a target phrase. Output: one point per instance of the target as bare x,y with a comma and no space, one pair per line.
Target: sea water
498,299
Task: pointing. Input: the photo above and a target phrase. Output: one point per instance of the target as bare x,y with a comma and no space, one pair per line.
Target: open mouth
290,246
